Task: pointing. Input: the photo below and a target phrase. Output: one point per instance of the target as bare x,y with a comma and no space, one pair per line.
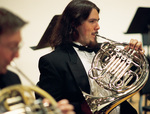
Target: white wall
115,18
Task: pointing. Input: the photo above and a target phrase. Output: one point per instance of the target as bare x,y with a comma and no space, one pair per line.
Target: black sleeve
126,108
50,80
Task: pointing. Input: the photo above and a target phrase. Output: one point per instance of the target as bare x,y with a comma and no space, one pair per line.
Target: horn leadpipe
118,43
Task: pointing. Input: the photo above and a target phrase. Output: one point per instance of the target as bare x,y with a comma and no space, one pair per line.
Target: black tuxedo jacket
62,74
8,79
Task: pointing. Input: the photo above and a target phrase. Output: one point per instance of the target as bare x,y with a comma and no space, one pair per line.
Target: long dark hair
74,14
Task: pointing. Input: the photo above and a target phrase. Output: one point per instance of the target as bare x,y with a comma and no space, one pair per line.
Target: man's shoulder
8,79
9,74
60,51
58,55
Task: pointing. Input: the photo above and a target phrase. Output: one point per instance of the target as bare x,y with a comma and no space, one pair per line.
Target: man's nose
97,26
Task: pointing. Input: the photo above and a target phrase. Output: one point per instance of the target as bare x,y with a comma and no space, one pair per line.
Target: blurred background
115,19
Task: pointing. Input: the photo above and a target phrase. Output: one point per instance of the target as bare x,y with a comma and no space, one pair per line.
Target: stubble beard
93,44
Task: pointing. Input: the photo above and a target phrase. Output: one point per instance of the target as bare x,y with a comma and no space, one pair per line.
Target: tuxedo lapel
78,70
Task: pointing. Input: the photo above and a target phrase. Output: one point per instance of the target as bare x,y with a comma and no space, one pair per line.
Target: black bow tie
83,48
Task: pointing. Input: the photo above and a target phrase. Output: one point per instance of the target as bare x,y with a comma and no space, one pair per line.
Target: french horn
20,99
118,74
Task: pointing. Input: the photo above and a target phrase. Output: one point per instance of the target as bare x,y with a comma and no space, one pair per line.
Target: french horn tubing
20,99
119,74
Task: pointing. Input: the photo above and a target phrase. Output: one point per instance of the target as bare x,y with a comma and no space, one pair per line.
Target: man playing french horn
10,38
64,71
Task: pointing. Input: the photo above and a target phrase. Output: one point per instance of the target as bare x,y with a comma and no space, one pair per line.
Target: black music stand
44,41
141,24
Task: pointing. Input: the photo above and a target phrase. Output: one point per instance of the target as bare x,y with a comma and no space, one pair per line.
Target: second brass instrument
20,99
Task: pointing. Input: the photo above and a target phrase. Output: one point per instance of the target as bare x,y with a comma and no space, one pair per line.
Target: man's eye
92,21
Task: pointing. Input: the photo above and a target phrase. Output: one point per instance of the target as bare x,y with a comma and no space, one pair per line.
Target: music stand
141,24
44,41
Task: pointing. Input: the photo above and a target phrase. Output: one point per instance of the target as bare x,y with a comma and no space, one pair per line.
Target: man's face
9,45
88,29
